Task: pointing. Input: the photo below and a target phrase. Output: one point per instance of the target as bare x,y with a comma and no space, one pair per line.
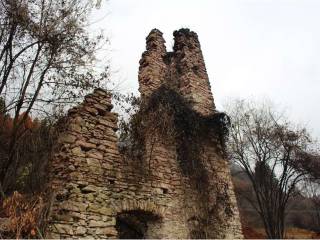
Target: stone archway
137,224
139,219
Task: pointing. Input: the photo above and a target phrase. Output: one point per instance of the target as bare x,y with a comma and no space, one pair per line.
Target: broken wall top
183,69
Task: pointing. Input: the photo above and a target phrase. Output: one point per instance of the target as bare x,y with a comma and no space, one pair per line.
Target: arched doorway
137,224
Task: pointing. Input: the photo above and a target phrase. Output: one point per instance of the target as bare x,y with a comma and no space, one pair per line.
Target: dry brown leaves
24,214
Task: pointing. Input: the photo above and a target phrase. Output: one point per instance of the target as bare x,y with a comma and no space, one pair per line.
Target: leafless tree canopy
275,155
46,53
47,58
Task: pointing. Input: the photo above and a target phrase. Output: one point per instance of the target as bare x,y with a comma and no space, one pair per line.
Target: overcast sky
252,48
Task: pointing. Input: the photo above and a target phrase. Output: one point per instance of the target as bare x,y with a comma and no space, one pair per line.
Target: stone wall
83,171
97,192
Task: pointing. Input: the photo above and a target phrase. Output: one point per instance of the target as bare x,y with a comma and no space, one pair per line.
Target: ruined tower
183,69
168,191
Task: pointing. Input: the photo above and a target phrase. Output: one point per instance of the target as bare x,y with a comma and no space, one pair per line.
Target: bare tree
272,152
47,58
314,195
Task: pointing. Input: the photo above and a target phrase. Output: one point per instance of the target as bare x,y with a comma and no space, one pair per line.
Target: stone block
74,206
75,127
92,162
89,189
105,211
85,145
108,124
102,109
94,154
71,168
108,231
94,223
80,230
93,208
80,216
79,121
67,138
63,229
91,110
90,197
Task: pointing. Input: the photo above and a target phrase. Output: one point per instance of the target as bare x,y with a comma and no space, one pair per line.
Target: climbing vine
168,115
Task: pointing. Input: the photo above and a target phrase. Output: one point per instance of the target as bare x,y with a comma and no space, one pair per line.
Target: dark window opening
164,190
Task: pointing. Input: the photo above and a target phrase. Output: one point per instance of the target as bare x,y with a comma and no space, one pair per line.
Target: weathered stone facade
100,193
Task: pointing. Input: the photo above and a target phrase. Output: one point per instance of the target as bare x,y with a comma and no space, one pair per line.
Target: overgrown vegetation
28,170
169,115
24,204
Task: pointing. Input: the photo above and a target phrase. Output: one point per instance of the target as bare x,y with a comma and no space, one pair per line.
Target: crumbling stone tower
183,69
165,192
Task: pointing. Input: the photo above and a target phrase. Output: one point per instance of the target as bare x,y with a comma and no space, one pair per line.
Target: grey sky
252,48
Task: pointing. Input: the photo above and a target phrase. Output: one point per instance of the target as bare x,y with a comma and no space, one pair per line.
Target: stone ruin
100,193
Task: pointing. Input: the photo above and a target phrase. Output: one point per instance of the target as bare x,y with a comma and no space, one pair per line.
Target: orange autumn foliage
24,214
7,124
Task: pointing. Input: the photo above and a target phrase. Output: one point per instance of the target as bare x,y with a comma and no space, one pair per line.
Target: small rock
92,111
63,228
71,168
4,224
90,197
89,189
82,184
